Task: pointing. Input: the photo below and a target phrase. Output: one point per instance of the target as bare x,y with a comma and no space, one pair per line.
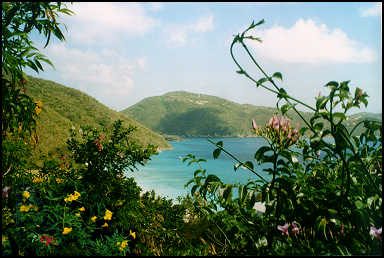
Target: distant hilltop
188,114
64,108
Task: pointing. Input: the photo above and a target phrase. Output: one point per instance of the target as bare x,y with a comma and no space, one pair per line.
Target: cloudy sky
121,53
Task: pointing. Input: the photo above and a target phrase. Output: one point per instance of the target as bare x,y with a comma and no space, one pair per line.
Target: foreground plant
322,177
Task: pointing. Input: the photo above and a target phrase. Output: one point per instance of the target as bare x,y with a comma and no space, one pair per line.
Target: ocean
166,174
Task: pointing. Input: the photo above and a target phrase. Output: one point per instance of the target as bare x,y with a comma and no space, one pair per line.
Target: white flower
376,233
294,159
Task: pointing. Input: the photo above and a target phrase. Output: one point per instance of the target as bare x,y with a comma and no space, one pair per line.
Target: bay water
166,174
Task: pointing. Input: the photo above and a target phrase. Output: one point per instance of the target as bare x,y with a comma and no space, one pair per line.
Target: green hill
64,107
197,115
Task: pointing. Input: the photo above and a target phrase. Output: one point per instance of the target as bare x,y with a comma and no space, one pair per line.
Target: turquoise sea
167,174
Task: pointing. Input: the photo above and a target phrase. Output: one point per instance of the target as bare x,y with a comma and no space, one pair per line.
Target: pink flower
296,129
254,125
276,122
5,191
295,228
360,94
289,134
270,121
376,233
46,239
284,228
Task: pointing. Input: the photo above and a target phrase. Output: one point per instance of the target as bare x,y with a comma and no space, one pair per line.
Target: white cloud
374,10
307,42
102,21
155,6
177,35
203,24
105,72
142,62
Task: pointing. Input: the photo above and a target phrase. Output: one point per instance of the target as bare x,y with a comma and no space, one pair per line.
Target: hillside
64,107
197,115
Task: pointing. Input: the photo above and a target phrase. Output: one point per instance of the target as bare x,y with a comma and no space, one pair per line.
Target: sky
121,53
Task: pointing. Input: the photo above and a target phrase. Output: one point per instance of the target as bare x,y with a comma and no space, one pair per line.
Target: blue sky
121,53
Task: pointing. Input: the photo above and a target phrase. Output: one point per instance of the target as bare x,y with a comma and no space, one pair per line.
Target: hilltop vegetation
197,115
64,108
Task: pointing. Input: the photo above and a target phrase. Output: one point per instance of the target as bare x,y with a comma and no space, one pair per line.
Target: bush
325,195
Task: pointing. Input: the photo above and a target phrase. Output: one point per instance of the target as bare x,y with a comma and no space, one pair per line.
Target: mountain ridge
188,114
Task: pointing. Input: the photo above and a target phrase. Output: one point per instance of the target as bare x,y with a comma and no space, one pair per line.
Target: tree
19,20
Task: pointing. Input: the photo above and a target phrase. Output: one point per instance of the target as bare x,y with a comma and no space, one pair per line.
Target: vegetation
197,115
324,197
82,204
64,108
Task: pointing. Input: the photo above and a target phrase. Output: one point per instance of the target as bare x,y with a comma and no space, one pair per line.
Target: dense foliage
327,188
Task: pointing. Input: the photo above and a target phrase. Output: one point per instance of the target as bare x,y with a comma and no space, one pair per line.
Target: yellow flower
119,203
82,209
3,239
108,215
25,208
39,103
77,214
38,179
72,197
59,180
67,230
38,110
133,234
124,243
105,225
77,195
93,218
26,194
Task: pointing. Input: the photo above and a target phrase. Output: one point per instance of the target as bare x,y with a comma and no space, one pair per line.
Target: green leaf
332,212
249,164
261,81
278,75
332,85
359,204
339,115
259,23
321,102
227,194
253,38
284,109
260,152
282,93
212,178
318,127
216,153
193,190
